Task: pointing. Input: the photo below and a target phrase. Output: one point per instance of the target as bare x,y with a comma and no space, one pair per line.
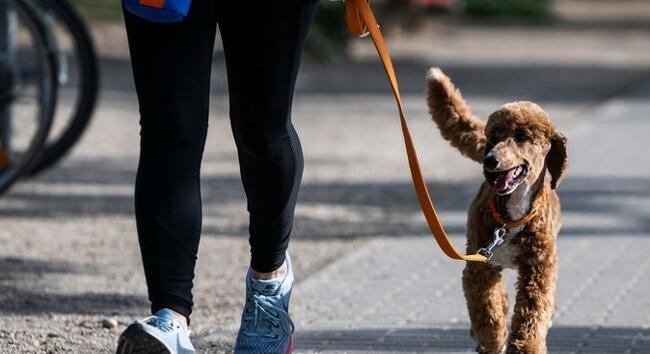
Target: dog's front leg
487,303
534,307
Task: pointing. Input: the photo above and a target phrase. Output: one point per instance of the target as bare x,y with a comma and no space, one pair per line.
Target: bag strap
364,19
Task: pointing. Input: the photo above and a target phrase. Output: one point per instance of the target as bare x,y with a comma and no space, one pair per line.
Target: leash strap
366,16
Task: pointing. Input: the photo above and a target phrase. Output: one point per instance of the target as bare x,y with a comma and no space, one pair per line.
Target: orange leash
361,21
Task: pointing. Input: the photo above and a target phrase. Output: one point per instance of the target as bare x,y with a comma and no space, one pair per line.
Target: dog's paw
481,350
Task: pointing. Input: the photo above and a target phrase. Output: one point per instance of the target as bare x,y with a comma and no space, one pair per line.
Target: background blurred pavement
369,278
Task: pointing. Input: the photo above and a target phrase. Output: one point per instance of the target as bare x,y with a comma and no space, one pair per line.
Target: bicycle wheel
78,81
27,89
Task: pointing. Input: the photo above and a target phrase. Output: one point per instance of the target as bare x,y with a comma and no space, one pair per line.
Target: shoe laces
266,310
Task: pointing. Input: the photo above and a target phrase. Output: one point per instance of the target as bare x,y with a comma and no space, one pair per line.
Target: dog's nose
490,161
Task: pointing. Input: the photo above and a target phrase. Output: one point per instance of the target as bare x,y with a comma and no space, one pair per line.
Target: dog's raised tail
455,120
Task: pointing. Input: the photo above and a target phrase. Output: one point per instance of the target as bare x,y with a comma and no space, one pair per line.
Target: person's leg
263,44
171,68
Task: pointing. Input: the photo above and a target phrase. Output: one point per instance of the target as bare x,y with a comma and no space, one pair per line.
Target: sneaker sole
135,340
290,346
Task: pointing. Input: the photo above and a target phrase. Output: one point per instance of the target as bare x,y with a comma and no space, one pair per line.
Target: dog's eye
521,137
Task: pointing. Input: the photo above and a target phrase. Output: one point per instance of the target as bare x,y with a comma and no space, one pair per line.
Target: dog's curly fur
518,134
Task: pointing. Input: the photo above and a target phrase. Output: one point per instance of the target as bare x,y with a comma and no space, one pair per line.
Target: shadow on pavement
591,205
561,339
20,280
541,83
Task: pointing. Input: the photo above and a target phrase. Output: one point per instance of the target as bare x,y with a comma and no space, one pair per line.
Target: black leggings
262,41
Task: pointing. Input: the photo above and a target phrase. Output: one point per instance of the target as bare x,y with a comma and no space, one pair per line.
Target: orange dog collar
540,198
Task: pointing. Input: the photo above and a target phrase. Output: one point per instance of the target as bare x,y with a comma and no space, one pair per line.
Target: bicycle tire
48,93
88,85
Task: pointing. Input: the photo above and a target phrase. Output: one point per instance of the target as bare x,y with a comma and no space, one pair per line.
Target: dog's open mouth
504,182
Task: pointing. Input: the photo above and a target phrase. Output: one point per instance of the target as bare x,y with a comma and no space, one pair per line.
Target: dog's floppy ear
556,160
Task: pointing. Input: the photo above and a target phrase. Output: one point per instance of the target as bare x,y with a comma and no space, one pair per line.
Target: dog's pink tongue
503,181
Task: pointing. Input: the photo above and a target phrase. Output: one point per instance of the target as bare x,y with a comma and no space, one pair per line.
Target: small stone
53,335
109,323
85,324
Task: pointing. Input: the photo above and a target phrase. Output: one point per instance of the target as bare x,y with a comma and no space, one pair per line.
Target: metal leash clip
498,238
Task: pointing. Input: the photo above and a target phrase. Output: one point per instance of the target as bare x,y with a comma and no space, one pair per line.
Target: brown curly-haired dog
517,145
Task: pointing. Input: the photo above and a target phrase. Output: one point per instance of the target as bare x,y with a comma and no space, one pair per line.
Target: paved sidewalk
403,295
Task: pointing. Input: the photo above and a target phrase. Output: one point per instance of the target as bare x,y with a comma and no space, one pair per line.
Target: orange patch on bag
4,159
159,4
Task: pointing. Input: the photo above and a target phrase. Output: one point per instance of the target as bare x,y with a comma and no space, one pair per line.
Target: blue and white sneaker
161,333
265,324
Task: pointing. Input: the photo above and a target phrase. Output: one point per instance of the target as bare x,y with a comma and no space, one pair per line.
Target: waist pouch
158,11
